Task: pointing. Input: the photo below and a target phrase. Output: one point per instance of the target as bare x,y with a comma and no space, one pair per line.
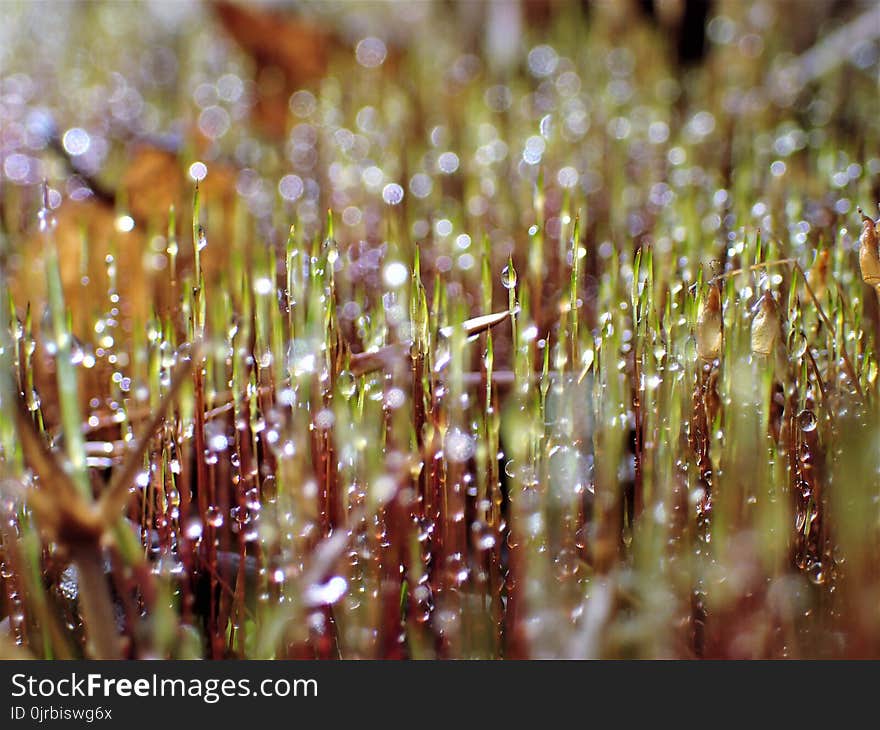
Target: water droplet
371,52
47,221
214,517
124,224
76,351
448,162
508,277
484,536
324,419
395,274
804,454
459,445
215,435
194,529
347,384
291,187
798,345
395,398
807,420
198,171
383,489
392,194
325,594
332,249
263,286
33,401
76,141
653,382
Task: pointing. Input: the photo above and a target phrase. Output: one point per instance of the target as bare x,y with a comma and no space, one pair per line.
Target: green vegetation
540,347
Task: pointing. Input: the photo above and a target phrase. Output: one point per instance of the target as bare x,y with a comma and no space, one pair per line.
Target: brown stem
96,603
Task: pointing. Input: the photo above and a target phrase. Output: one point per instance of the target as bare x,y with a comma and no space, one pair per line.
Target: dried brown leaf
709,326
869,257
766,329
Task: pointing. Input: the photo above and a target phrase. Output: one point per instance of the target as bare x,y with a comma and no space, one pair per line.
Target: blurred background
450,109
262,87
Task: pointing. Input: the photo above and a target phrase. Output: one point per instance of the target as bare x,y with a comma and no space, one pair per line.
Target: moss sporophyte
513,330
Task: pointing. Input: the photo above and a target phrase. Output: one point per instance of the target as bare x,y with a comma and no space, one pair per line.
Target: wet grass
564,358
